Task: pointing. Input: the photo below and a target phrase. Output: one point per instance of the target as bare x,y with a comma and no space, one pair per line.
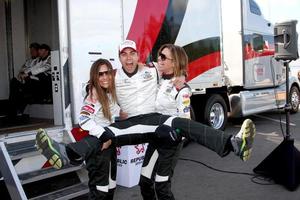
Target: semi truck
230,45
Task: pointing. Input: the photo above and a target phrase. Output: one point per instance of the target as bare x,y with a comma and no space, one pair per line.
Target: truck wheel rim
294,100
217,116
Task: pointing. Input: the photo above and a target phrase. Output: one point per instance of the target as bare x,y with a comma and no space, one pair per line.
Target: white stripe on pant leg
168,122
102,188
133,129
112,183
159,178
147,170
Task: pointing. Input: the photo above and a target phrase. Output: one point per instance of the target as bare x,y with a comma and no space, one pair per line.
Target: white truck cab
230,45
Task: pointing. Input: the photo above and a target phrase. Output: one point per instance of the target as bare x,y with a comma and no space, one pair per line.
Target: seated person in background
34,84
33,60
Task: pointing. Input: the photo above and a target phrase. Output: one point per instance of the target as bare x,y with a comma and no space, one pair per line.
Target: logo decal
139,148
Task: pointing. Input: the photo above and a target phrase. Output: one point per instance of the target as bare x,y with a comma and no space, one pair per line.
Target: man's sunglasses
104,72
163,57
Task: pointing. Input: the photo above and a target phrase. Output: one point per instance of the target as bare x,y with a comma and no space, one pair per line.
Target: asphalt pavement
202,174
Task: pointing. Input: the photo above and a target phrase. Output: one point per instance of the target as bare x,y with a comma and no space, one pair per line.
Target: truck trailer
230,45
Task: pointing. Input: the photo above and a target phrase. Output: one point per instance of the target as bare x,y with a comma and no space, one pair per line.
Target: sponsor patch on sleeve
186,101
185,96
88,108
82,112
83,117
83,121
186,109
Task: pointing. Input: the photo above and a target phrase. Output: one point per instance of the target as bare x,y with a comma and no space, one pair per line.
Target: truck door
261,72
260,69
60,70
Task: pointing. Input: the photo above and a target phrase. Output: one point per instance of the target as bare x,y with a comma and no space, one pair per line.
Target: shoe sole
249,131
45,146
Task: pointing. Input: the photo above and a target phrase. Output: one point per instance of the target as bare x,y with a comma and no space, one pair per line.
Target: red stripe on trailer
203,64
250,53
154,11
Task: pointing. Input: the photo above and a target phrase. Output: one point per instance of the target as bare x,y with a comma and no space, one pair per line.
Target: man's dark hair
34,45
45,46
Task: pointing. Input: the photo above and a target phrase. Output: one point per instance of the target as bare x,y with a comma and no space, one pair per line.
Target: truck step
47,173
22,149
65,193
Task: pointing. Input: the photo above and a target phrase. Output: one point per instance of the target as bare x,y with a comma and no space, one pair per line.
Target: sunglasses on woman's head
163,57
104,72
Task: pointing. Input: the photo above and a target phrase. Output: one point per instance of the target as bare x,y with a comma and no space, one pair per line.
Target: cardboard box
129,163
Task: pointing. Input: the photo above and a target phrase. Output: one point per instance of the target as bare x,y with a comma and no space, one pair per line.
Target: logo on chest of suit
127,81
147,76
169,89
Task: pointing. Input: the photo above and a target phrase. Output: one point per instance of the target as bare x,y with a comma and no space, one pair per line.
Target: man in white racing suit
136,89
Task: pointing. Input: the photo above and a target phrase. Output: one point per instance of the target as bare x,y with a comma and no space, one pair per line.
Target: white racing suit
101,165
160,161
142,128
136,95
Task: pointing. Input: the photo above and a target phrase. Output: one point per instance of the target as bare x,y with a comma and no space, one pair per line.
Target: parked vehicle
232,71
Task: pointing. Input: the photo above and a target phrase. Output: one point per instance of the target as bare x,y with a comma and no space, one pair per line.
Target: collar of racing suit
167,76
130,74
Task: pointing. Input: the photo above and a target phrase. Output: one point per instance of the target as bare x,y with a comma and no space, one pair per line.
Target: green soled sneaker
242,142
52,150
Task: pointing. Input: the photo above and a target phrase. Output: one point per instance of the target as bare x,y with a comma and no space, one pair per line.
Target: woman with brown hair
138,129
99,110
170,100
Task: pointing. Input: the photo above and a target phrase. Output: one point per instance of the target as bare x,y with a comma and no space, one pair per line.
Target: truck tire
215,112
294,99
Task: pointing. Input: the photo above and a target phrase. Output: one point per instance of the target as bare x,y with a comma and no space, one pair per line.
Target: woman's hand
105,145
178,82
123,115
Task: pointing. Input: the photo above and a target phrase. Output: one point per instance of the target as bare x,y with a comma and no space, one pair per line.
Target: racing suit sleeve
183,102
87,117
40,67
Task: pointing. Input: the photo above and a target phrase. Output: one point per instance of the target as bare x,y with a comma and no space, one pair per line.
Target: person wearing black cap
33,60
139,86
34,81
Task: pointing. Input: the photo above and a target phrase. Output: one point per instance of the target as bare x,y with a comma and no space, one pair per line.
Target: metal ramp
14,181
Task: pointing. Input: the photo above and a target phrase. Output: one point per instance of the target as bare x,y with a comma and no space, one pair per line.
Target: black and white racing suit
101,165
136,96
160,161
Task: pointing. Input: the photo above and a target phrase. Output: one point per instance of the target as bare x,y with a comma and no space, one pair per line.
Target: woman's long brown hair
180,58
102,93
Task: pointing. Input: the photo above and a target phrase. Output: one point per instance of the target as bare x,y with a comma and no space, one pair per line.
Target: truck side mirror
286,40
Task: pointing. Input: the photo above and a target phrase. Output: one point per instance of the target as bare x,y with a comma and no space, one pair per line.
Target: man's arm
40,67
